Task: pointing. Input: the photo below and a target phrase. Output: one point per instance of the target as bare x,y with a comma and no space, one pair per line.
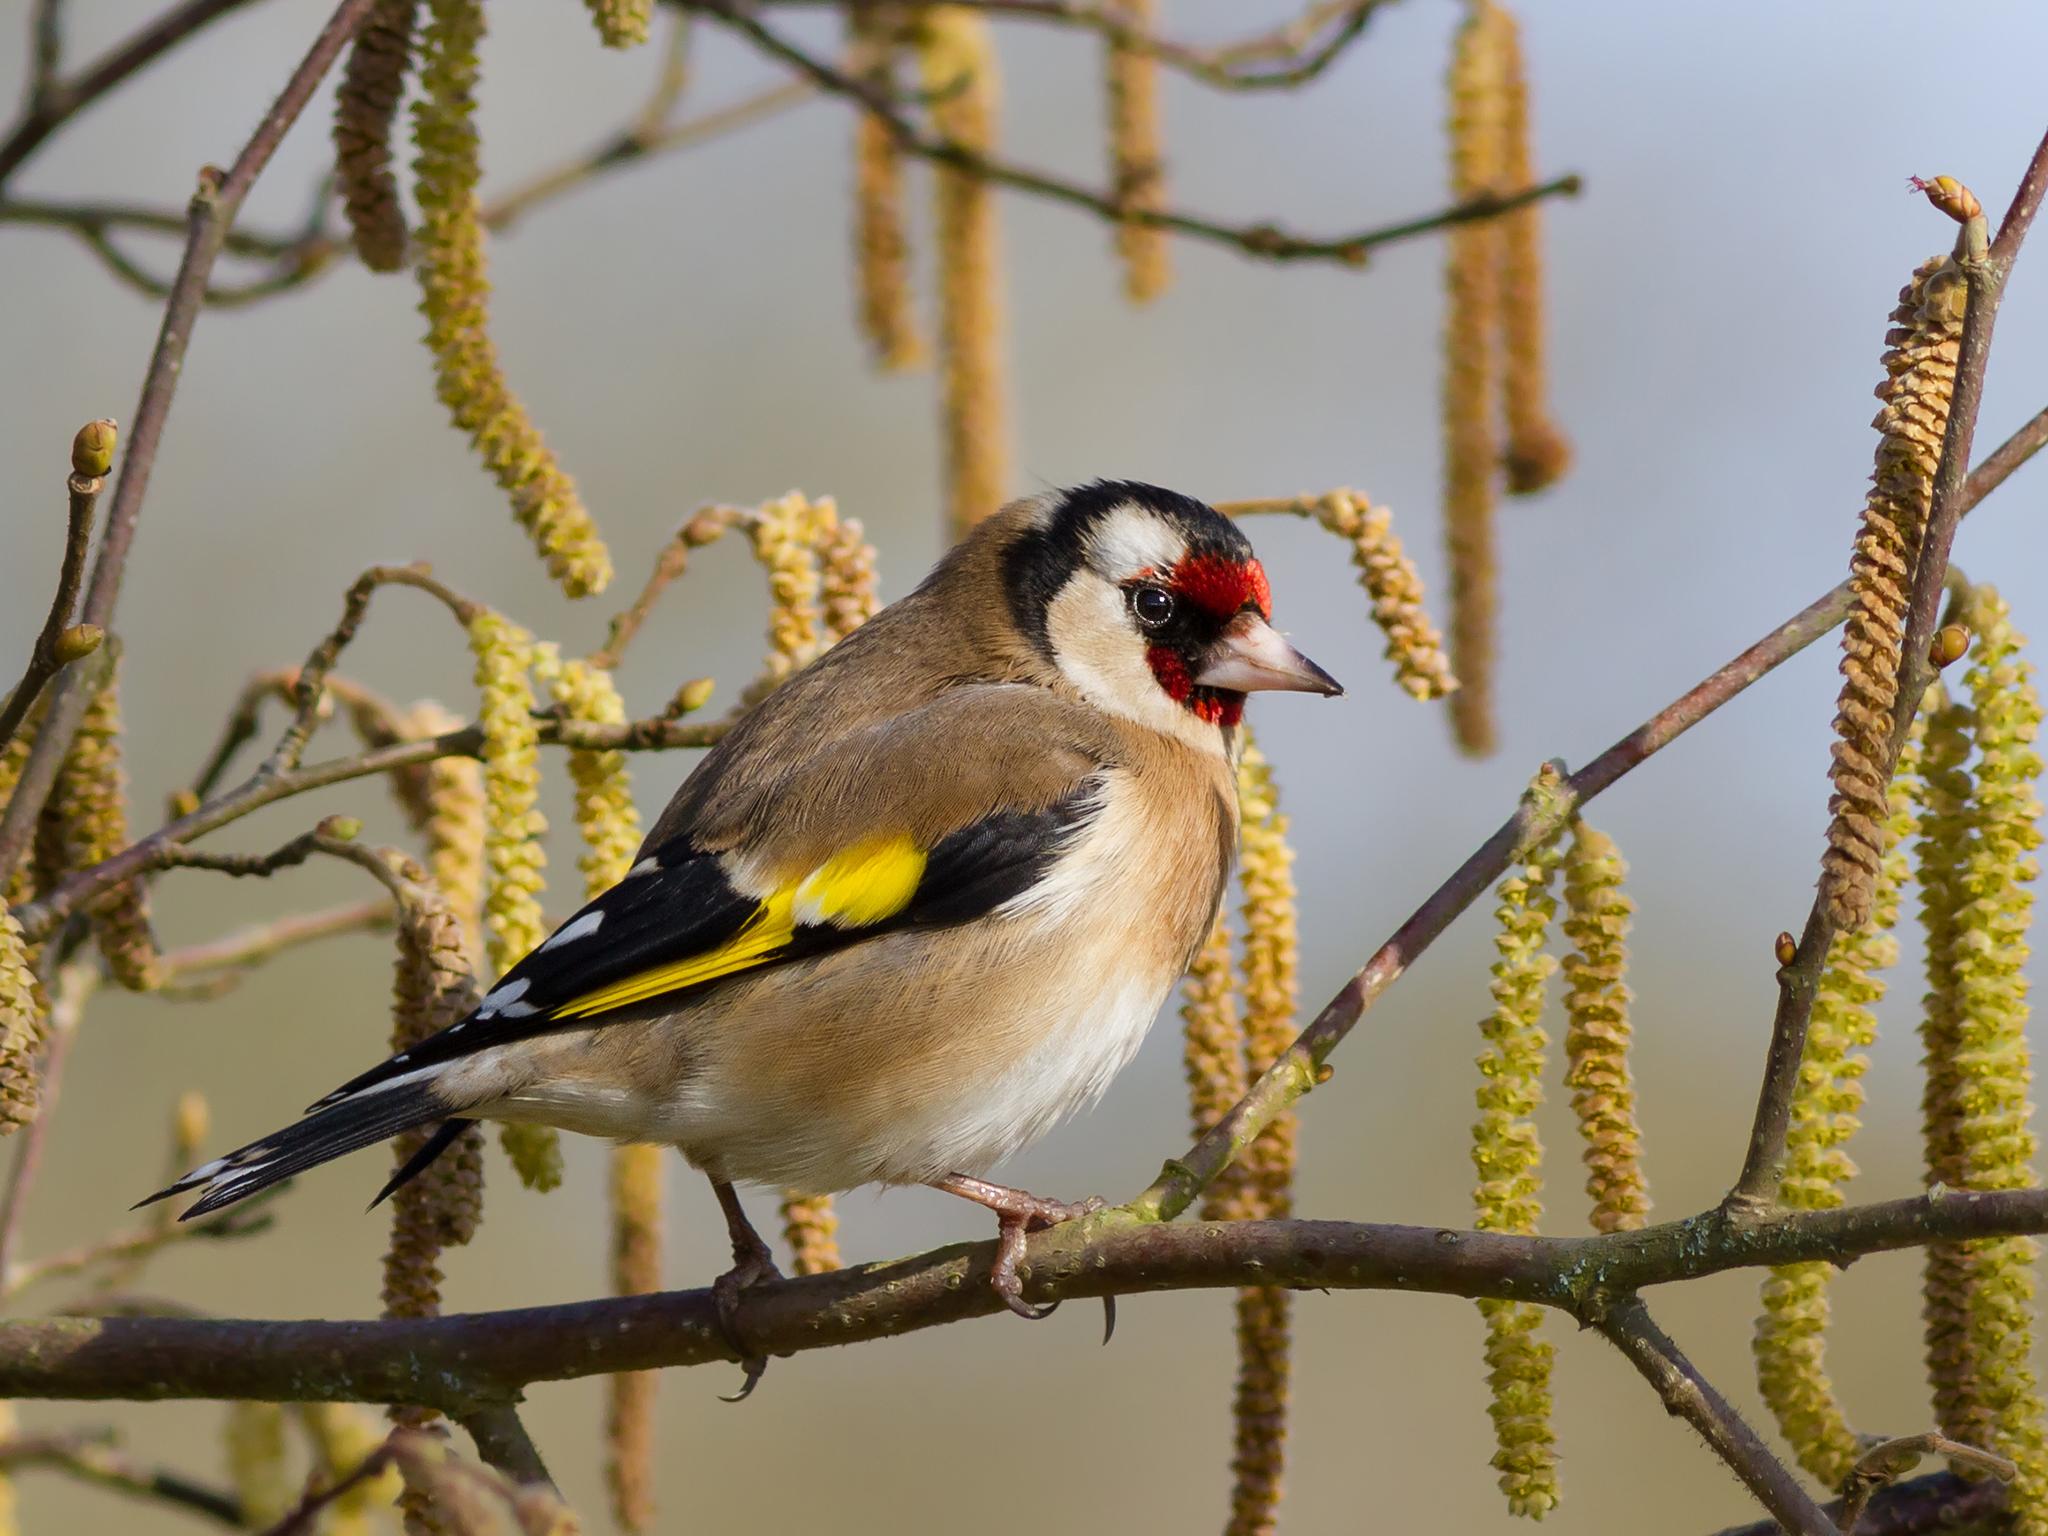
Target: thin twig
1265,240
1939,1502
1882,1465
251,946
504,1444
92,1456
44,659
74,985
1690,1396
1183,1178
62,100
214,206
1756,1187
248,1220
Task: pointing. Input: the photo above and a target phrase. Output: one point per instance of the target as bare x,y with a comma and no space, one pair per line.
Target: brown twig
46,657
503,1443
1183,1178
60,100
1939,1502
1882,1465
251,946
1263,240
128,1247
1756,1187
1306,45
93,1456
214,206
1690,1396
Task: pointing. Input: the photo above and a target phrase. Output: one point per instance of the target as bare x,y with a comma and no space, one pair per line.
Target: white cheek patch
1128,541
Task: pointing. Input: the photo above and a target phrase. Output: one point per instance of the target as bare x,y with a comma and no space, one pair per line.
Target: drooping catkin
636,1180
90,811
1536,453
1472,328
1985,1078
811,1228
881,237
10,1506
253,1439
1137,168
1213,1050
1919,365
365,108
344,1436
1265,1188
431,987
514,924
848,589
454,288
1508,1159
1391,581
21,1028
957,64
1597,1037
621,23
610,825
1790,1345
785,536
454,823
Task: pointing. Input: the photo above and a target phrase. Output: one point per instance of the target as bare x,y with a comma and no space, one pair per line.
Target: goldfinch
919,905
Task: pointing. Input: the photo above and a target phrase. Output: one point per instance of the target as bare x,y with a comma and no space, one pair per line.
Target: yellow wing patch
866,884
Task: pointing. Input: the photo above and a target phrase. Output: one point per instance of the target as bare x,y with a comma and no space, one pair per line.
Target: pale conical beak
1253,656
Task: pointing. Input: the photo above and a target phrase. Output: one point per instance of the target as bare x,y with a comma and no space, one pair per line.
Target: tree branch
213,209
1985,271
1264,240
503,1443
59,101
459,1364
45,659
1939,1502
1690,1396
92,1456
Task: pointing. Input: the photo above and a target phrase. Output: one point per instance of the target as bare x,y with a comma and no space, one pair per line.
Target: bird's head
1151,604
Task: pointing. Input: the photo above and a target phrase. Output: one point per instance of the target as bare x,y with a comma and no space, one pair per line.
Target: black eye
1152,605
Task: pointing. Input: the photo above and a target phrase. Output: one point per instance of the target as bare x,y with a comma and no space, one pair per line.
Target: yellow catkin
254,1442
1213,1049
344,1436
10,1506
811,1228
90,807
453,288
365,106
1945,790
1989,1074
636,1179
1597,912
1790,1344
957,63
881,239
1919,366
514,924
1138,171
454,805
785,538
1472,284
621,23
610,826
21,1027
1537,453
1265,1188
1508,1158
432,986
1391,581
848,589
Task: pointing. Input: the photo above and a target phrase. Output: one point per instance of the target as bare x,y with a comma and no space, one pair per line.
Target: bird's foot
753,1263
1018,1214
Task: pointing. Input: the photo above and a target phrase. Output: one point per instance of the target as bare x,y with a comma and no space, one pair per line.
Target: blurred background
683,333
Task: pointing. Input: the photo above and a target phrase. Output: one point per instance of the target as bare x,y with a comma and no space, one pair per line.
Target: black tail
358,1121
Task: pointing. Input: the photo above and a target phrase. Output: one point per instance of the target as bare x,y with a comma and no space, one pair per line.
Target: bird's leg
752,1262
1017,1214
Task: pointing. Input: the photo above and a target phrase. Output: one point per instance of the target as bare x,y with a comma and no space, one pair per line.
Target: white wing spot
570,932
647,866
510,992
518,1011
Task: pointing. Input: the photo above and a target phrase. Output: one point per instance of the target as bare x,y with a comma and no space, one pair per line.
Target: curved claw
755,1366
1108,1318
